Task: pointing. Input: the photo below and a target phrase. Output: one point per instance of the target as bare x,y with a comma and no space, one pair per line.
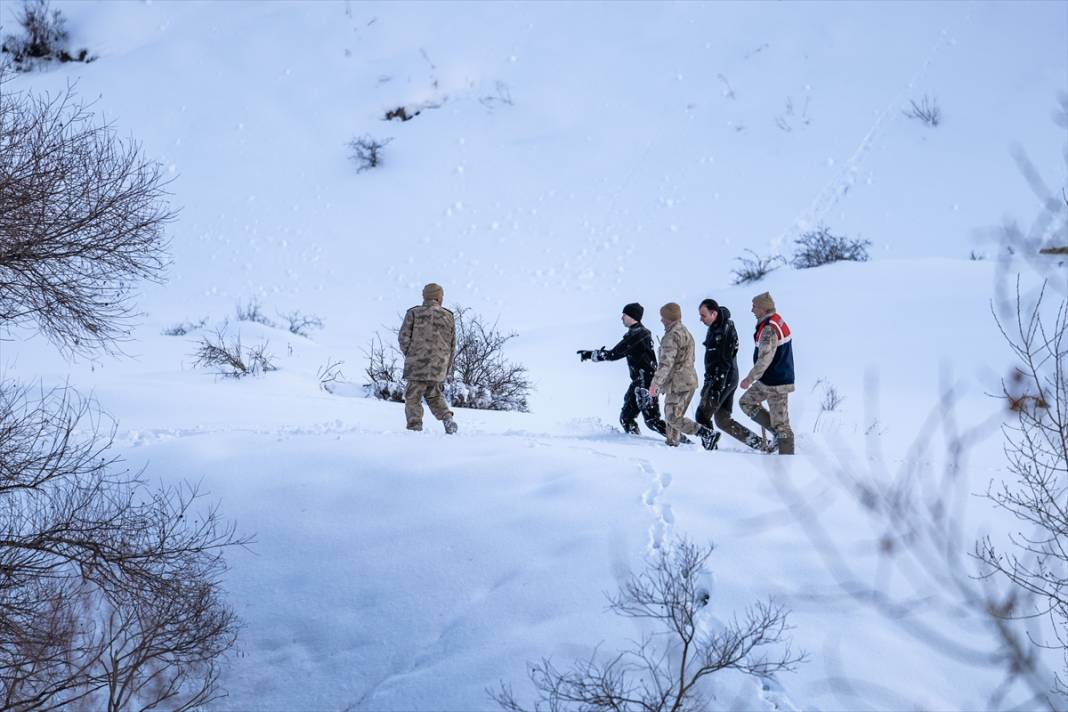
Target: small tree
82,218
664,671
109,591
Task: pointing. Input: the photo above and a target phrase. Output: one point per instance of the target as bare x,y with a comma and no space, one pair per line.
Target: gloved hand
598,354
645,400
584,355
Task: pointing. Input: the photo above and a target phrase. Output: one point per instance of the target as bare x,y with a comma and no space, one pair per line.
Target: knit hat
634,311
671,311
434,292
764,301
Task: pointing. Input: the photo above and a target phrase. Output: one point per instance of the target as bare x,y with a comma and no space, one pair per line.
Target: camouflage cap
671,311
764,301
434,291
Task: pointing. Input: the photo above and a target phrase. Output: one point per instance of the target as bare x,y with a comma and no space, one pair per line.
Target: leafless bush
385,371
829,401
1037,447
252,311
82,215
366,152
501,96
329,375
926,112
109,591
44,38
819,247
755,268
230,359
185,327
300,324
976,256
481,378
665,671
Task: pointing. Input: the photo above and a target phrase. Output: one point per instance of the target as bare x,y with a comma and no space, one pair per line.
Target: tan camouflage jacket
676,371
428,341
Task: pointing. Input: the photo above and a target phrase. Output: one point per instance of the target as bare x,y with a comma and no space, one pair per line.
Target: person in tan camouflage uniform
772,377
676,376
428,341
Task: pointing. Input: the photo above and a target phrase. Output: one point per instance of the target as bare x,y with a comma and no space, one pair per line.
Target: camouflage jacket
676,372
428,341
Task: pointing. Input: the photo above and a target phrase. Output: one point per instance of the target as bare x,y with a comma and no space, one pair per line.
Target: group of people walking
427,339
771,379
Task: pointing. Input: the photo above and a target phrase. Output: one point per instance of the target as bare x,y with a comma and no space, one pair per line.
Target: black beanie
634,311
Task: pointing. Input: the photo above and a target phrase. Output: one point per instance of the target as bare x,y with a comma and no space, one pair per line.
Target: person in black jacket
637,347
721,376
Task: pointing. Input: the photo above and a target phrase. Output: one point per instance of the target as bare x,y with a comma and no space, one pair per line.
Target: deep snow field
568,158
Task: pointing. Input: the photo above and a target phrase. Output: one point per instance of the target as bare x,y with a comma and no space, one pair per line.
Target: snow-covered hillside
568,158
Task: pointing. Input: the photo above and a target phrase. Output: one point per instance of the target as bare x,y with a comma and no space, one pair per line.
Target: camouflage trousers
778,419
414,394
675,405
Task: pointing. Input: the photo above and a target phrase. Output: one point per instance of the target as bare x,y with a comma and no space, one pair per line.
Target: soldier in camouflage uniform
772,376
675,376
428,341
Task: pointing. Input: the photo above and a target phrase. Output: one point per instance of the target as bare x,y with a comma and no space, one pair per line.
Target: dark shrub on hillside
820,247
44,38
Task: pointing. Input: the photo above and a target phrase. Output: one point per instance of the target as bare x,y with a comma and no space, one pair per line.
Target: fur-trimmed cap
764,301
435,292
671,311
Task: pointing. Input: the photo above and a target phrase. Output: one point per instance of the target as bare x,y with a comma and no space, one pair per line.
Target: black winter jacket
721,352
637,347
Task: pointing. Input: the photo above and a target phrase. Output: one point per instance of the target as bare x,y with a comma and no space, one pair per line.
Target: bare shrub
819,247
1036,443
366,152
329,375
230,359
252,311
665,671
926,112
110,591
185,327
385,371
829,401
44,38
82,215
501,96
300,324
976,256
481,377
755,268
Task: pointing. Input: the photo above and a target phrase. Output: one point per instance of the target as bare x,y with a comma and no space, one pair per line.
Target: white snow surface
568,158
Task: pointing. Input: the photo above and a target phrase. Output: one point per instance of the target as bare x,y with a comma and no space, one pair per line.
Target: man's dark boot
709,438
630,427
786,445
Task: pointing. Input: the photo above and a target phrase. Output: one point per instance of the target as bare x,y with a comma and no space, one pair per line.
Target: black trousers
717,405
628,416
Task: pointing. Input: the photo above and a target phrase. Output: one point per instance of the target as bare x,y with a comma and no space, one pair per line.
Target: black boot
709,438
